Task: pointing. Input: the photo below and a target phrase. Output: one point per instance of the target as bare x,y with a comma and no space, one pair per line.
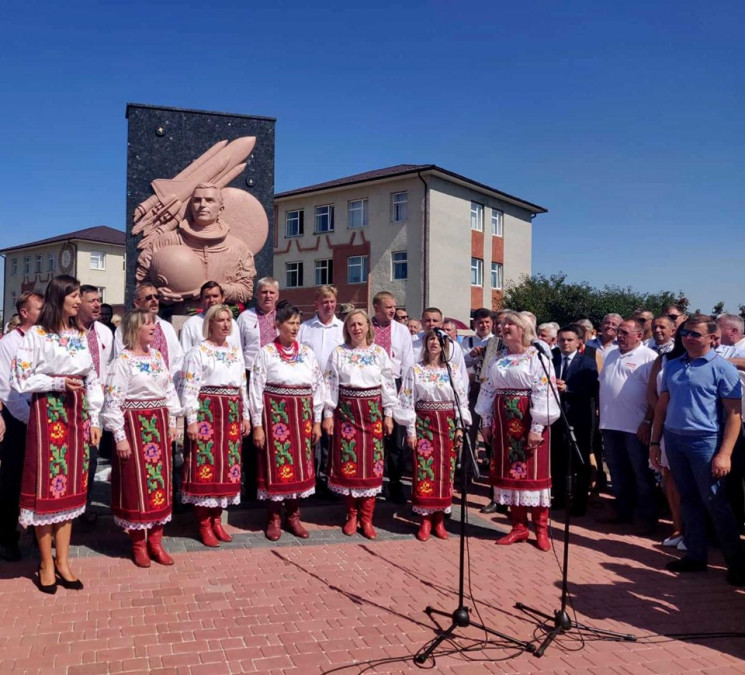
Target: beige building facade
95,256
428,235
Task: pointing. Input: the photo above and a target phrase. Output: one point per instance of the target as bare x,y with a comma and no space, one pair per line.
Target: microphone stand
461,617
562,623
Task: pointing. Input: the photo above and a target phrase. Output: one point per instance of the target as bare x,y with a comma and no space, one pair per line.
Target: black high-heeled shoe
76,585
49,589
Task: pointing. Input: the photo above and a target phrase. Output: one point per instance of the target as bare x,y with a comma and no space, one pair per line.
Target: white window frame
359,262
357,210
497,223
399,259
497,276
98,260
323,272
52,263
477,272
477,216
27,264
324,211
294,268
13,267
298,217
399,207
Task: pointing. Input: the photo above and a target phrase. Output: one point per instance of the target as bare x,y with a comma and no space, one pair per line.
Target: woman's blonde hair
133,320
211,314
370,337
521,321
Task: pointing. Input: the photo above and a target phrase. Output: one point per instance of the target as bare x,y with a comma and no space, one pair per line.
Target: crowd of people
276,408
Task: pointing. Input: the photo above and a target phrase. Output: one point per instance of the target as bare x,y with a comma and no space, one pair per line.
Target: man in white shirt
663,330
15,412
191,335
323,333
473,348
257,325
625,422
396,340
605,342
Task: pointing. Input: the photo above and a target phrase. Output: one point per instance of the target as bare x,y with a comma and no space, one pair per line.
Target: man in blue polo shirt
699,409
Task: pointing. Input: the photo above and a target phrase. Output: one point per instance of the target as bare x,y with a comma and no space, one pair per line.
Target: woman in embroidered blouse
517,408
285,397
140,409
426,407
215,402
360,397
53,363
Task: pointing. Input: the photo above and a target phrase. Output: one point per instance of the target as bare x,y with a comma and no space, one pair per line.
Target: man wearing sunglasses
698,412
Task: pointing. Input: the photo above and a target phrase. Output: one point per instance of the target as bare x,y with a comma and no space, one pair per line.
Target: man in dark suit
577,383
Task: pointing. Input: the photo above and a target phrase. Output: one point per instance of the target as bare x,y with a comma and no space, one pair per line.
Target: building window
497,223
13,298
98,260
477,272
324,272
27,264
357,213
294,223
294,271
399,203
13,266
324,218
477,216
400,265
357,269
52,263
497,275
101,293
37,266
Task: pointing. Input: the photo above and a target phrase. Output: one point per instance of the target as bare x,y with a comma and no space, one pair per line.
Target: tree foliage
554,298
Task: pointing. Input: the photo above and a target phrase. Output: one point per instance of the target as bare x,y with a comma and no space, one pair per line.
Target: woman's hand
655,456
315,435
328,426
411,442
95,436
245,427
123,451
172,434
458,440
73,383
259,438
534,440
388,426
192,431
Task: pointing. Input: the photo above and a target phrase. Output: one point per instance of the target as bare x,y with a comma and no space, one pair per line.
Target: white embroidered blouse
520,372
208,365
361,368
428,384
43,360
137,378
269,367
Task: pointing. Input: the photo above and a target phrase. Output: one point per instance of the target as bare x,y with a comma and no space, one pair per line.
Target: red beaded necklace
291,355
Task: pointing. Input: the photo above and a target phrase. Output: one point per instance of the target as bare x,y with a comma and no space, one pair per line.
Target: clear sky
624,119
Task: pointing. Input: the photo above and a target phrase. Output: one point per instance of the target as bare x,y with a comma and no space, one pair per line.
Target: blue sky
624,119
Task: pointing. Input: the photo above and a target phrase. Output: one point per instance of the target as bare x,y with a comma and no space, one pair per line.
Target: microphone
442,335
540,347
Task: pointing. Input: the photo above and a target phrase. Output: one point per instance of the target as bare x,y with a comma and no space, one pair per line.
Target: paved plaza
335,604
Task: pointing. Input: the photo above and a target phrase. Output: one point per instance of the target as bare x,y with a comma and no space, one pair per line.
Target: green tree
554,298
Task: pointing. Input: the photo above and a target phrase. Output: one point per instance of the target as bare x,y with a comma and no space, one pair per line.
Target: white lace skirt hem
428,512
355,492
523,497
263,494
211,502
29,517
126,525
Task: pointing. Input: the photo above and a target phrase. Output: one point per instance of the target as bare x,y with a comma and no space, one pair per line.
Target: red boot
367,507
350,527
519,532
205,526
216,522
425,528
294,526
539,514
139,548
438,520
155,546
273,520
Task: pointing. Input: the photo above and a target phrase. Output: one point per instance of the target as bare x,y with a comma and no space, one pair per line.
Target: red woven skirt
357,445
55,468
141,485
435,456
286,464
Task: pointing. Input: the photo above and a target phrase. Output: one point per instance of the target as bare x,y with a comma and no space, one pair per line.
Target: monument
200,190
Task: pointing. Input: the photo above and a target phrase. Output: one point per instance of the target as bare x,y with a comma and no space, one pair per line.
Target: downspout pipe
424,248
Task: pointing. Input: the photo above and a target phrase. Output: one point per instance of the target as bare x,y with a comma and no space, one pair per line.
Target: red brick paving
325,608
